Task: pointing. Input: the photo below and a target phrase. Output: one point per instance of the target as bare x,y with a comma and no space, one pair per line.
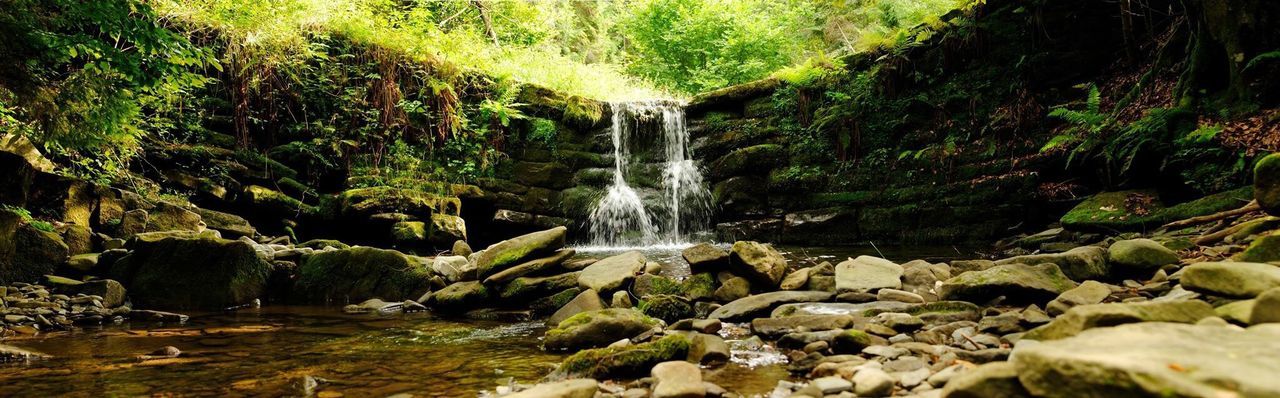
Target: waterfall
625,217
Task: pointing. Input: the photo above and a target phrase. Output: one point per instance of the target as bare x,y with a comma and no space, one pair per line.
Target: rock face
26,252
867,273
1081,263
1231,279
512,251
748,307
1266,183
612,273
1087,317
1141,254
199,272
360,273
597,329
758,262
1155,359
1035,283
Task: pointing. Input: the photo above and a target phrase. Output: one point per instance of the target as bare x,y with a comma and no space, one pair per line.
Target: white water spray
621,217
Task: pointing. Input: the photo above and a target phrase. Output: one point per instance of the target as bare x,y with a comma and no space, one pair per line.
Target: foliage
25,216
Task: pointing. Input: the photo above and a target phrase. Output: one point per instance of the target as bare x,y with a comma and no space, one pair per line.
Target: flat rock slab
1155,359
1081,263
573,388
1091,316
612,273
748,307
1231,279
867,273
1019,282
775,327
856,310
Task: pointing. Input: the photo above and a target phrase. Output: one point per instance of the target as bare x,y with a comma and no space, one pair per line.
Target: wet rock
111,292
1081,263
1034,283
502,255
1154,359
1245,280
667,307
1089,292
373,306
1141,254
360,273
1086,317
995,379
626,361
795,280
162,353
573,388
598,329
157,316
11,354
531,267
851,341
192,273
677,379
612,273
587,300
752,306
867,273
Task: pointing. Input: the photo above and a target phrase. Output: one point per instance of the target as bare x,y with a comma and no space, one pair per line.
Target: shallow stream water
268,352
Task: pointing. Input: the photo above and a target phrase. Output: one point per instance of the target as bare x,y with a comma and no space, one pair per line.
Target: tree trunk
488,22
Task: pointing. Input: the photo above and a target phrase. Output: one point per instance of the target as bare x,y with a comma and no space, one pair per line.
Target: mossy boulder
507,253
599,328
1266,183
460,296
1227,279
531,267
1141,254
1081,263
627,361
1143,210
195,272
1264,249
549,175
667,307
27,252
754,160
360,273
749,307
1019,282
1081,318
759,262
532,287
166,216
265,200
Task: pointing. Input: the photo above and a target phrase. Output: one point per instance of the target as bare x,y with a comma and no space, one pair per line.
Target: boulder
197,272
502,255
708,349
753,306
705,257
1266,183
677,379
1089,292
758,262
867,273
995,379
585,301
573,388
22,147
460,296
230,225
1244,280
528,287
1267,307
796,280
732,289
167,216
460,248
598,328
360,273
667,307
1154,359
27,251
1091,316
531,267
612,273
1081,263
1020,282
454,268
112,292
1140,254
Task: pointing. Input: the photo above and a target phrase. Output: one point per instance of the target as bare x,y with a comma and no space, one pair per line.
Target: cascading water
625,217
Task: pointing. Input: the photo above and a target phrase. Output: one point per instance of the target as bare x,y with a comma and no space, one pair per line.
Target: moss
669,308
851,341
383,199
274,201
1264,249
409,231
699,286
1139,210
360,273
628,361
